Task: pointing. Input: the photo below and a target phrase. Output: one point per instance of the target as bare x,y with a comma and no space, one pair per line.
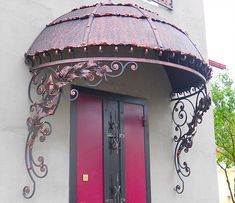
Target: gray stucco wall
21,21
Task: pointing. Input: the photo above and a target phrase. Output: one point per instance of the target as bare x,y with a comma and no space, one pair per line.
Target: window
166,3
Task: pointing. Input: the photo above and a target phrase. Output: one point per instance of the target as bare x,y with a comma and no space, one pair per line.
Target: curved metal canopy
100,41
124,32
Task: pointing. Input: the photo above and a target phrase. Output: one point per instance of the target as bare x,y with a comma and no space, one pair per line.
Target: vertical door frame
112,160
73,137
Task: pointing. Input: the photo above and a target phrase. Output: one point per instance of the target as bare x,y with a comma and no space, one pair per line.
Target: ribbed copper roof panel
121,30
123,10
176,41
112,25
74,14
59,36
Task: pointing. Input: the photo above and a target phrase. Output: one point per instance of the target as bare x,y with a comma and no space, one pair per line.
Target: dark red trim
217,64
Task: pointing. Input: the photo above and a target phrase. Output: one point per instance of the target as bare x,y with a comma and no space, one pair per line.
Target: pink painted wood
135,155
90,150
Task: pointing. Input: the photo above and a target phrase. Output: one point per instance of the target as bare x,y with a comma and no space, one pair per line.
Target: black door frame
73,137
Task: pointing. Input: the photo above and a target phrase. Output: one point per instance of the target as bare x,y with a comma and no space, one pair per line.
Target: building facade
148,158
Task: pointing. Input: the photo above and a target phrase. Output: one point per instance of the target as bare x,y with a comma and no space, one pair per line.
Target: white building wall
21,21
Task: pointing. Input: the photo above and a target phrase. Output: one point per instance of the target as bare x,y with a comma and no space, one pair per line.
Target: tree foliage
223,96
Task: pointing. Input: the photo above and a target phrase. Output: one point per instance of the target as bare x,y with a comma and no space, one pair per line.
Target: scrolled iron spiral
32,165
119,66
73,95
115,69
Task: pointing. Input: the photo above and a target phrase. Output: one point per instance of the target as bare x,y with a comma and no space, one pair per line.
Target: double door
111,150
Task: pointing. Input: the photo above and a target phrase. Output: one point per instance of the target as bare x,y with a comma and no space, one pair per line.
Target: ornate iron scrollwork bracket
188,111
48,84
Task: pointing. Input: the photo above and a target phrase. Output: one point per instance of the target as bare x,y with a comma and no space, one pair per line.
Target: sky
220,32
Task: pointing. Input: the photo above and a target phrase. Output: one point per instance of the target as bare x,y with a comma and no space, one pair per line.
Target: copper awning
108,30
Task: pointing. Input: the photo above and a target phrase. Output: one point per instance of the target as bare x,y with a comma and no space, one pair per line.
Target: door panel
134,154
90,150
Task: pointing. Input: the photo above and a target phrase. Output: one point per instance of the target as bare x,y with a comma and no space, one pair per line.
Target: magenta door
134,153
89,150
110,151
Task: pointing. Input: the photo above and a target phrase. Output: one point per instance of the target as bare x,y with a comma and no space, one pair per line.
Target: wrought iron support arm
188,110
47,85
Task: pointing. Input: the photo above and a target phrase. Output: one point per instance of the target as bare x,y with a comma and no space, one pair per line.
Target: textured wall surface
21,21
